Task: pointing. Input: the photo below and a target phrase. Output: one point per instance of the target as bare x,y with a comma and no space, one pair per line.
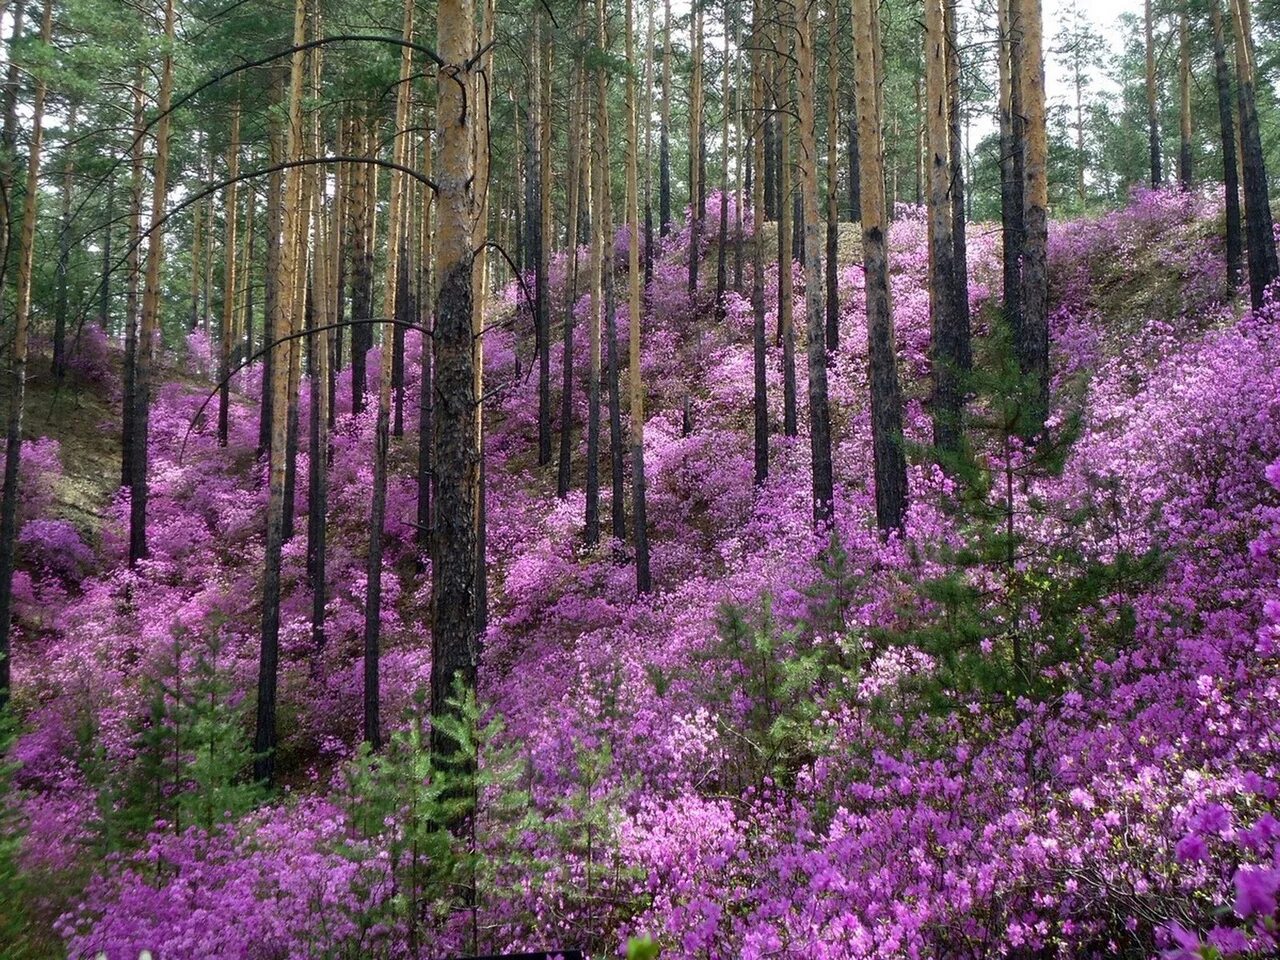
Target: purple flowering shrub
797,746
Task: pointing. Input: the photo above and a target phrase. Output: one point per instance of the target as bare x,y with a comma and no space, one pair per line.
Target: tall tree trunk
855,176
819,410
132,271
482,97
599,184
635,377
833,173
62,304
265,736
1226,120
1153,111
945,344
18,369
664,129
1184,97
722,254
149,324
104,288
617,456
697,209
648,144
9,137
325,284
1033,341
365,215
786,288
1010,102
426,312
271,298
197,270
457,456
1257,207
576,133
228,277
535,242
960,272
739,123
890,465
760,400
382,430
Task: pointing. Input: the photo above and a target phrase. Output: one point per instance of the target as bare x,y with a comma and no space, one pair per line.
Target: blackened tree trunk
1184,98
149,324
271,298
599,184
833,168
1257,207
228,278
1033,339
62,303
664,130
722,254
890,465
18,370
634,376
760,401
819,409
457,459
1011,132
576,134
617,456
958,232
132,271
697,209
786,290
1153,107
1230,169
536,243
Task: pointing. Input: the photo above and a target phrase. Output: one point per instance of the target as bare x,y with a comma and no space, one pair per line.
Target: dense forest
739,479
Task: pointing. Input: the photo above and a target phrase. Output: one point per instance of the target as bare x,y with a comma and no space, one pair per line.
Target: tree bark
1257,206
1033,340
697,210
786,289
132,270
149,324
62,303
819,409
1184,98
18,368
576,132
833,169
228,277
265,737
945,343
1226,120
664,130
1011,133
760,401
1153,113
635,376
457,453
890,466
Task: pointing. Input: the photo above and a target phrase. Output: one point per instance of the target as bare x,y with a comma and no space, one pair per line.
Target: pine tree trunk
697,208
62,303
890,466
739,123
664,130
617,457
1226,120
265,736
599,177
833,172
945,343
786,331
1010,56
648,145
960,270
1033,340
382,431
18,369
457,454
9,138
577,126
271,304
1257,206
426,392
760,401
132,270
149,324
634,375
228,277
1153,110
1184,100
535,242
722,254
819,409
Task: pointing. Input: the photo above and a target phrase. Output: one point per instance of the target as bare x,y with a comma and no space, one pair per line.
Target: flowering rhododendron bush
804,746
